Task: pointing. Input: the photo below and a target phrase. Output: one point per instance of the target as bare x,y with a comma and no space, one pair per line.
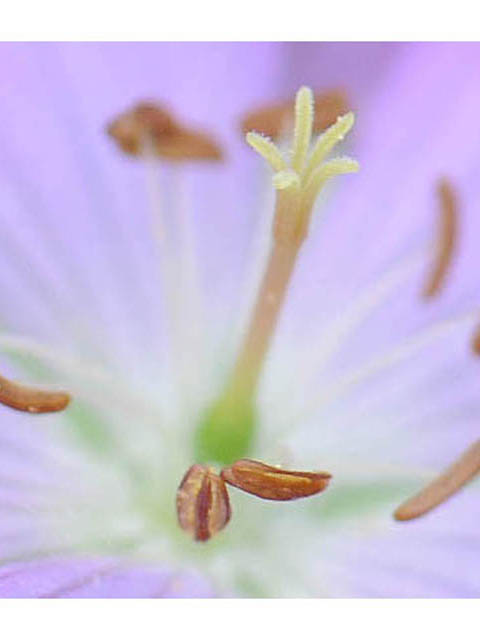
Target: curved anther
30,399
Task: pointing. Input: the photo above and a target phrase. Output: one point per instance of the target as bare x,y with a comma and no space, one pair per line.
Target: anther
475,342
149,123
274,483
447,236
443,487
203,506
32,400
273,119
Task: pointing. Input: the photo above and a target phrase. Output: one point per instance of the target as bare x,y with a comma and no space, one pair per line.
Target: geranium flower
130,282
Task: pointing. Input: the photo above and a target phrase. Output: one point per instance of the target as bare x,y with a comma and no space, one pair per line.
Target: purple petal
433,557
97,578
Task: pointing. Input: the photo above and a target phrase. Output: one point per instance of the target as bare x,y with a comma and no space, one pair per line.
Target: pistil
269,303
228,429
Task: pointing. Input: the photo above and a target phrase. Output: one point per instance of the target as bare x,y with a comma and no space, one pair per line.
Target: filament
191,311
159,228
179,273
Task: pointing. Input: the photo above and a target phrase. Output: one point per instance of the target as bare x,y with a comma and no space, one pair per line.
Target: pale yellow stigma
306,172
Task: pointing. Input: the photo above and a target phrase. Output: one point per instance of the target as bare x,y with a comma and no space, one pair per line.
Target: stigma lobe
32,400
271,120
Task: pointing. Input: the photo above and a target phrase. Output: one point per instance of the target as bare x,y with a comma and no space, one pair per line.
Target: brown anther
273,119
475,342
145,119
187,144
154,118
443,487
203,506
150,125
273,483
447,239
30,399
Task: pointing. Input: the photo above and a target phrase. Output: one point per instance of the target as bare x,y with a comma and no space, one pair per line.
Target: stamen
188,144
169,139
274,483
129,129
149,131
271,119
476,341
443,487
226,433
167,258
203,506
446,241
31,400
90,379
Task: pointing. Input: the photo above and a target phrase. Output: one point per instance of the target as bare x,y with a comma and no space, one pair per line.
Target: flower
364,378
